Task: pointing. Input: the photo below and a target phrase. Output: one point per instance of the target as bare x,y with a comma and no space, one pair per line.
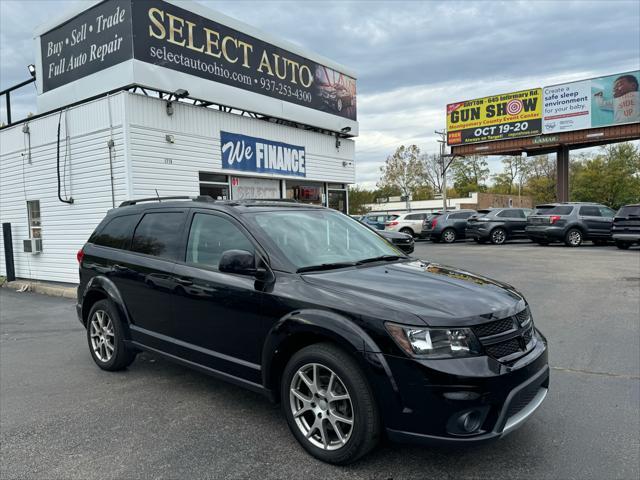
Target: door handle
183,281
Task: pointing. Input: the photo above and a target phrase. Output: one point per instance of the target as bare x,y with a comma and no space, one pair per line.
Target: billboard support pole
562,169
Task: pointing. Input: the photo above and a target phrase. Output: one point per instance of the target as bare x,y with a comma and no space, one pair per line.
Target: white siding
138,125
65,227
196,131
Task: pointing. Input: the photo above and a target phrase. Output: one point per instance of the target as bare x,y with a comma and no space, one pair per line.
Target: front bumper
435,394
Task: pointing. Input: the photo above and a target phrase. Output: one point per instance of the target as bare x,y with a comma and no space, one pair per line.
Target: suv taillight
392,224
434,222
80,256
553,219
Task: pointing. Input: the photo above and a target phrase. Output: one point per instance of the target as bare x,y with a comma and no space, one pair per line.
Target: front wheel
329,405
623,245
573,238
449,235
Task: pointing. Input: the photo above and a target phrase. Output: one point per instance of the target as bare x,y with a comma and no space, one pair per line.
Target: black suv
571,223
498,225
314,310
447,226
626,226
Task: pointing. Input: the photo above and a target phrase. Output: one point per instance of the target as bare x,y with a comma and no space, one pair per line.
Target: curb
42,288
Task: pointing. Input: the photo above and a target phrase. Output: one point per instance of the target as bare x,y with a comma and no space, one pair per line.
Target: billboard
160,45
598,102
257,155
498,117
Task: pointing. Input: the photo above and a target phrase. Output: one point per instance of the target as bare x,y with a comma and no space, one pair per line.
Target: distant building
474,201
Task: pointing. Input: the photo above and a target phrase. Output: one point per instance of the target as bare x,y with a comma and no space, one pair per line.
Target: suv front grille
507,336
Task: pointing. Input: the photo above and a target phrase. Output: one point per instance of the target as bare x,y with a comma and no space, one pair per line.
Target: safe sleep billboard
163,45
509,115
597,102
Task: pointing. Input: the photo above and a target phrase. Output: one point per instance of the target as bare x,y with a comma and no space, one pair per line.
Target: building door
338,200
214,185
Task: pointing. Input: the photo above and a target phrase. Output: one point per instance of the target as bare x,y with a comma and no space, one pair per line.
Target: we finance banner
509,115
597,102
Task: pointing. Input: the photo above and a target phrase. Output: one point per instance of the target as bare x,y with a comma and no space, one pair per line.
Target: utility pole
444,165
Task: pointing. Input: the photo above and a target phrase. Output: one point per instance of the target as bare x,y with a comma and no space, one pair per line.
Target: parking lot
62,417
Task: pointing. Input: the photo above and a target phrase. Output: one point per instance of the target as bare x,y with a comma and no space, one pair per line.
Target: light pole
444,165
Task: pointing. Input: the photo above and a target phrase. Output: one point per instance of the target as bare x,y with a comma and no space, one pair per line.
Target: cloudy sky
412,58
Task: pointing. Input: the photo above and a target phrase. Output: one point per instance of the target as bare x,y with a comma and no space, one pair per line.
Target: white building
58,186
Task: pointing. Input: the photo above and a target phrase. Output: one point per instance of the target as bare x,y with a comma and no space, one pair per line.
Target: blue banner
250,154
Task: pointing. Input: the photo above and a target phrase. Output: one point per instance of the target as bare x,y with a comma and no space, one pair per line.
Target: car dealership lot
62,417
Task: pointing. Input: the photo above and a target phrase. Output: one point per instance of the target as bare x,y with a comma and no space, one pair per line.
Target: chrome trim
519,418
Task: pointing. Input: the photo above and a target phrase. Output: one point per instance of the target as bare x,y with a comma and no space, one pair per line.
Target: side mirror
240,262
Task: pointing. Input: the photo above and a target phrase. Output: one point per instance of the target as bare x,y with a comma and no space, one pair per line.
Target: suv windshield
560,210
323,238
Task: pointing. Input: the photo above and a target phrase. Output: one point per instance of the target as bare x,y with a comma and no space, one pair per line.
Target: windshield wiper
326,266
381,258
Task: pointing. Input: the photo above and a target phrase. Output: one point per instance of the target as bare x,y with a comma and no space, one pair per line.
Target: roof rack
200,198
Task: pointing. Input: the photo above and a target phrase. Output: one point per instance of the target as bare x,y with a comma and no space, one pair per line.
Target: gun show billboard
593,103
165,46
498,117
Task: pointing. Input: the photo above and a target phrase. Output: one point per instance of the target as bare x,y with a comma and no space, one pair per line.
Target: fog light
470,421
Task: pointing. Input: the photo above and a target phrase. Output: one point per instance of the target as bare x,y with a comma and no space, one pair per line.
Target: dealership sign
250,154
158,44
509,115
598,102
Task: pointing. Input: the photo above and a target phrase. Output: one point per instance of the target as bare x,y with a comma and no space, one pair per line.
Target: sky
411,58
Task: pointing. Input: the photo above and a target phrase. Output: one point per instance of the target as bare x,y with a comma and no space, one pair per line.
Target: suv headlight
434,342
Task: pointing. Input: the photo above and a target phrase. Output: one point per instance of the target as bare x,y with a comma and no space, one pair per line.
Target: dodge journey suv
317,312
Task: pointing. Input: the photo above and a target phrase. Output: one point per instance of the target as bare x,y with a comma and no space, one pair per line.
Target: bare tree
432,167
403,170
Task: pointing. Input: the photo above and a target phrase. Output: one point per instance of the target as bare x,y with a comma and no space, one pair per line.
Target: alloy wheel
449,236
575,238
498,236
102,336
321,406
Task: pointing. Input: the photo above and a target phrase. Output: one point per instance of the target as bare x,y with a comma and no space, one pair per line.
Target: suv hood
439,295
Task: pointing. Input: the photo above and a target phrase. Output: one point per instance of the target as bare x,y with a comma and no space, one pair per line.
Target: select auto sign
251,154
165,42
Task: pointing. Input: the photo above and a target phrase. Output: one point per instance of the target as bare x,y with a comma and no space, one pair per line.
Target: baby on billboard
625,103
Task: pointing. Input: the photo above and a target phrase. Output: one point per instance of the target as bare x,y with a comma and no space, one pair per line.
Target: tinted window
606,212
159,234
461,215
543,209
117,233
559,210
415,216
629,210
590,211
210,236
511,213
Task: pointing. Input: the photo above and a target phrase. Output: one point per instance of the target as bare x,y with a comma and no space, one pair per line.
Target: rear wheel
449,235
623,245
498,236
329,405
573,238
407,230
106,338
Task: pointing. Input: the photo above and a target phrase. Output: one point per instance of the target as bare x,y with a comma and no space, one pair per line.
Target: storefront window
214,185
306,192
338,200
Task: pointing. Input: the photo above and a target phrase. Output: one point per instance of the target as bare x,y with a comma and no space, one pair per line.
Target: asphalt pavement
62,417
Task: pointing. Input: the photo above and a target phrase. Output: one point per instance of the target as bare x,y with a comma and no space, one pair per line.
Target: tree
611,177
403,170
515,169
470,174
541,179
432,169
358,198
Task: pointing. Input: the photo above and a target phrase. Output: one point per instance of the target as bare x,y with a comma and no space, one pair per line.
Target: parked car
409,223
377,220
448,227
571,223
403,241
310,308
498,225
625,229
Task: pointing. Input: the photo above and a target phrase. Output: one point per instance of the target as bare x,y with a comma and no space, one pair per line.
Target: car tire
498,236
623,245
449,235
407,231
305,387
573,238
105,336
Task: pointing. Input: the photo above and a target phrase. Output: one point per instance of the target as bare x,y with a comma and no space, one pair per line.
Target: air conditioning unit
32,245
